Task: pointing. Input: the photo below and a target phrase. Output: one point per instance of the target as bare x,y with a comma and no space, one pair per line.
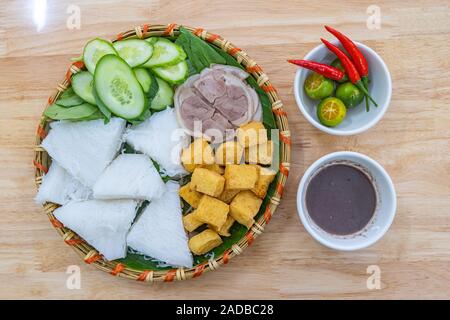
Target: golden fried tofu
204,242
261,153
251,134
265,178
213,167
240,176
190,196
229,152
228,195
225,230
198,152
207,182
212,211
244,207
190,222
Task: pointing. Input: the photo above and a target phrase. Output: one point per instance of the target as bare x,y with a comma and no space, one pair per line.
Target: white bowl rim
351,245
336,131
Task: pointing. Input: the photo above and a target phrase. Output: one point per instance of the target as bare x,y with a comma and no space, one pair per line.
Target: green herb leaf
154,87
95,116
191,69
200,54
69,99
80,112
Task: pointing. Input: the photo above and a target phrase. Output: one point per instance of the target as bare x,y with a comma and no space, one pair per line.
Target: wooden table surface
411,142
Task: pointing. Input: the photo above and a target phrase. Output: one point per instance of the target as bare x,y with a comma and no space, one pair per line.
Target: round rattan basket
88,253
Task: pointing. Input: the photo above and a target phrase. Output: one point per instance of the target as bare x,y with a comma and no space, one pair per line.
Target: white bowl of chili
357,119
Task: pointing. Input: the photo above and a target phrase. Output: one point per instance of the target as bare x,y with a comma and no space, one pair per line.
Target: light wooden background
411,142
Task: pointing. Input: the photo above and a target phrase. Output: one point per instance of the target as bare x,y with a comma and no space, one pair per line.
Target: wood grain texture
412,142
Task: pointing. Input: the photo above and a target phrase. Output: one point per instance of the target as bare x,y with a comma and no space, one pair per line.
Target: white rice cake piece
130,176
84,148
104,224
58,186
161,138
159,231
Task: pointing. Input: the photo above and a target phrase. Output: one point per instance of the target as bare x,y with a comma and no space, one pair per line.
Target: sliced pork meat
210,87
235,110
215,102
217,128
241,74
196,107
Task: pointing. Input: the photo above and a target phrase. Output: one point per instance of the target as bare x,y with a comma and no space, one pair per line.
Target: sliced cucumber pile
130,79
83,86
135,52
144,78
173,74
163,97
165,52
94,51
118,88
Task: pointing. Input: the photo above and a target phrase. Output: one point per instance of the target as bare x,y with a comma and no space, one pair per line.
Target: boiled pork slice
238,72
215,102
210,87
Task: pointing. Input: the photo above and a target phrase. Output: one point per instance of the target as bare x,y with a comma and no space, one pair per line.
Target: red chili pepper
358,58
350,68
323,69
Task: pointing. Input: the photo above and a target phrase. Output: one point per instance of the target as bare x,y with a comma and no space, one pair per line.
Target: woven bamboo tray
89,254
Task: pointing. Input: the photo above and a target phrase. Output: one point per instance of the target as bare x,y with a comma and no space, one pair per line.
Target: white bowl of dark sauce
346,201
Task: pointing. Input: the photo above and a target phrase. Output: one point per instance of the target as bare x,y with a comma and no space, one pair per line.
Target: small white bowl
357,119
384,212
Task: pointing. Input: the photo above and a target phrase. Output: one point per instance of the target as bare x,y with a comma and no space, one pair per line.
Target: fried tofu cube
204,242
228,195
207,182
198,152
213,167
262,153
229,152
190,223
265,178
251,134
225,230
212,211
244,207
240,176
190,196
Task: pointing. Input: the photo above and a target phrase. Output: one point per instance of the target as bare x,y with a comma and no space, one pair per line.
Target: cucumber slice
83,85
165,53
144,78
135,52
69,99
118,88
173,74
94,51
164,96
